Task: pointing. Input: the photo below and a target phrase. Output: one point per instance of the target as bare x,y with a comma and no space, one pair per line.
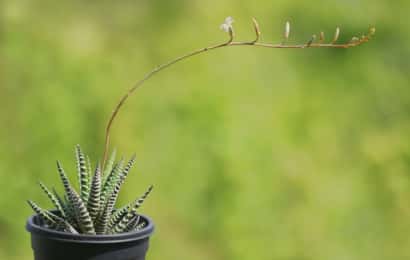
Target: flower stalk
227,26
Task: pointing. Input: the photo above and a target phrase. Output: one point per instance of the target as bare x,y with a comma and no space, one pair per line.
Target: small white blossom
227,25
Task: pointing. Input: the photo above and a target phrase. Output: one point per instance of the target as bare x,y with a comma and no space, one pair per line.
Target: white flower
227,25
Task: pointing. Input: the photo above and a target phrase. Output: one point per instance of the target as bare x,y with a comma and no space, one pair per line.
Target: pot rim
36,229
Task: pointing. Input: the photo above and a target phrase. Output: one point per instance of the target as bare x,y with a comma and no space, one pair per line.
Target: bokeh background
254,153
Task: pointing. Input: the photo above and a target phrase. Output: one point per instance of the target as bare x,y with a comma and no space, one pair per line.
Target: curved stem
140,82
230,42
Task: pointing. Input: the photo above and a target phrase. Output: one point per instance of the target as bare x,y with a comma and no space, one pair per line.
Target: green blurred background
254,153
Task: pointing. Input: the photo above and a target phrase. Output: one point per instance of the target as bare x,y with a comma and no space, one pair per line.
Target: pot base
49,244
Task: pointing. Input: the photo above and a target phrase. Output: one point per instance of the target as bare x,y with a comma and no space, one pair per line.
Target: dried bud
287,30
311,40
257,30
336,36
321,37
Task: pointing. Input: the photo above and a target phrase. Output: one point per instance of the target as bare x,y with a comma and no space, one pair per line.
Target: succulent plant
92,211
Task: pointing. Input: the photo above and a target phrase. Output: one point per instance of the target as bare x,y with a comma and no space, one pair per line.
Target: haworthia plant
92,211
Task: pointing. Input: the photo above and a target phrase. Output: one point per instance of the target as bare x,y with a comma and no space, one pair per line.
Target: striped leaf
64,178
110,181
83,176
103,221
124,222
53,199
70,212
93,205
67,208
51,220
117,215
89,168
133,224
83,218
47,219
105,216
62,224
140,226
59,199
127,169
138,202
121,226
109,165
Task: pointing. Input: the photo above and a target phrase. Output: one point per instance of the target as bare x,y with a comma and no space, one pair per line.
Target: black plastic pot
48,244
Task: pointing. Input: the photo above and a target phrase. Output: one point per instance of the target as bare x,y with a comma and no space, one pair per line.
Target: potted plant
87,224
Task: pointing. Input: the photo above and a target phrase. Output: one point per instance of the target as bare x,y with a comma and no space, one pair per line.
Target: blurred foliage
254,153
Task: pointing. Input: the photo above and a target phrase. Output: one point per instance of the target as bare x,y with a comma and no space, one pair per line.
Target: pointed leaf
122,225
133,224
53,199
82,215
63,176
118,215
110,181
83,176
43,215
109,165
138,202
62,223
93,205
